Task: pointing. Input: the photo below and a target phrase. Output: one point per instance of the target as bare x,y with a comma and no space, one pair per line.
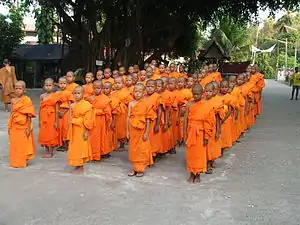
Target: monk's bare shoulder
189,104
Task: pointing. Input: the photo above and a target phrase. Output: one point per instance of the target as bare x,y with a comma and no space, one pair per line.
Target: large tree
126,30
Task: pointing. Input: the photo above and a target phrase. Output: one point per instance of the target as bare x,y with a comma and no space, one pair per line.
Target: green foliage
11,33
44,23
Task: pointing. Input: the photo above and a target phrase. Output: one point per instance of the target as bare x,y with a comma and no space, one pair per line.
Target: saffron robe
81,120
21,147
88,90
48,134
100,133
140,155
259,81
200,126
71,87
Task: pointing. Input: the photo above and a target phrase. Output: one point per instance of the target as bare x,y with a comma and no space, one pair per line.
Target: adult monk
81,124
140,113
100,132
156,102
88,87
124,96
48,120
198,127
70,82
20,128
7,82
259,81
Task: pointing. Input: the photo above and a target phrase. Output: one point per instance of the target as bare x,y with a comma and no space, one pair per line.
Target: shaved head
197,87
98,82
20,83
79,88
49,80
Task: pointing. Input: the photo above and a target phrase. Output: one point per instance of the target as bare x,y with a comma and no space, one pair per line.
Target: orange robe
22,148
140,155
214,146
48,134
169,101
174,127
164,75
237,92
130,89
82,119
64,99
100,132
248,91
71,87
259,81
110,80
155,77
124,97
154,101
115,110
156,71
174,75
200,127
207,79
217,76
143,82
88,90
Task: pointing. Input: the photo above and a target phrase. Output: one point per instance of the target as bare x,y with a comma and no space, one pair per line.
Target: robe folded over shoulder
48,134
155,101
124,97
140,154
71,87
169,100
100,133
237,92
200,126
88,90
22,148
64,100
81,120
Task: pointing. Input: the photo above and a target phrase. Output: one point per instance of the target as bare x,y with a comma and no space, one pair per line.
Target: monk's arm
166,119
218,126
230,110
185,123
113,121
159,114
170,116
146,133
56,113
128,121
179,114
246,105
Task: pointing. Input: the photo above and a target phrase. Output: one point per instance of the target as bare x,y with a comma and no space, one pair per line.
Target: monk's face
135,78
19,90
224,89
240,80
89,78
146,65
197,94
167,70
190,82
122,71
115,73
150,87
107,73
99,75
106,89
161,69
138,92
78,94
172,85
195,78
154,63
129,81
62,83
136,68
118,84
253,69
181,69
131,70
210,68
70,77
149,72
181,83
159,86
48,86
209,92
172,67
143,76
97,87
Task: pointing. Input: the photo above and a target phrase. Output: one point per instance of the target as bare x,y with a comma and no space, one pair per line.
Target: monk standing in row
48,121
81,124
99,135
71,85
20,128
140,113
88,87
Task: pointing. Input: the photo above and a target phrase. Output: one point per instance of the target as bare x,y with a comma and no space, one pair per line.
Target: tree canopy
126,30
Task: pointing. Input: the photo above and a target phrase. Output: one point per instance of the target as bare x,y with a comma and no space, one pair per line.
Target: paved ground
257,182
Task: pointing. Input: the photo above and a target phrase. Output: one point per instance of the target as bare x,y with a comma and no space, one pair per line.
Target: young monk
130,70
99,135
238,91
151,75
162,72
138,125
195,78
183,96
81,124
143,77
173,72
214,146
48,119
174,115
124,96
20,128
259,82
190,83
88,87
115,74
129,84
115,110
62,112
135,78
99,75
107,76
70,81
155,101
198,127
122,71
169,100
